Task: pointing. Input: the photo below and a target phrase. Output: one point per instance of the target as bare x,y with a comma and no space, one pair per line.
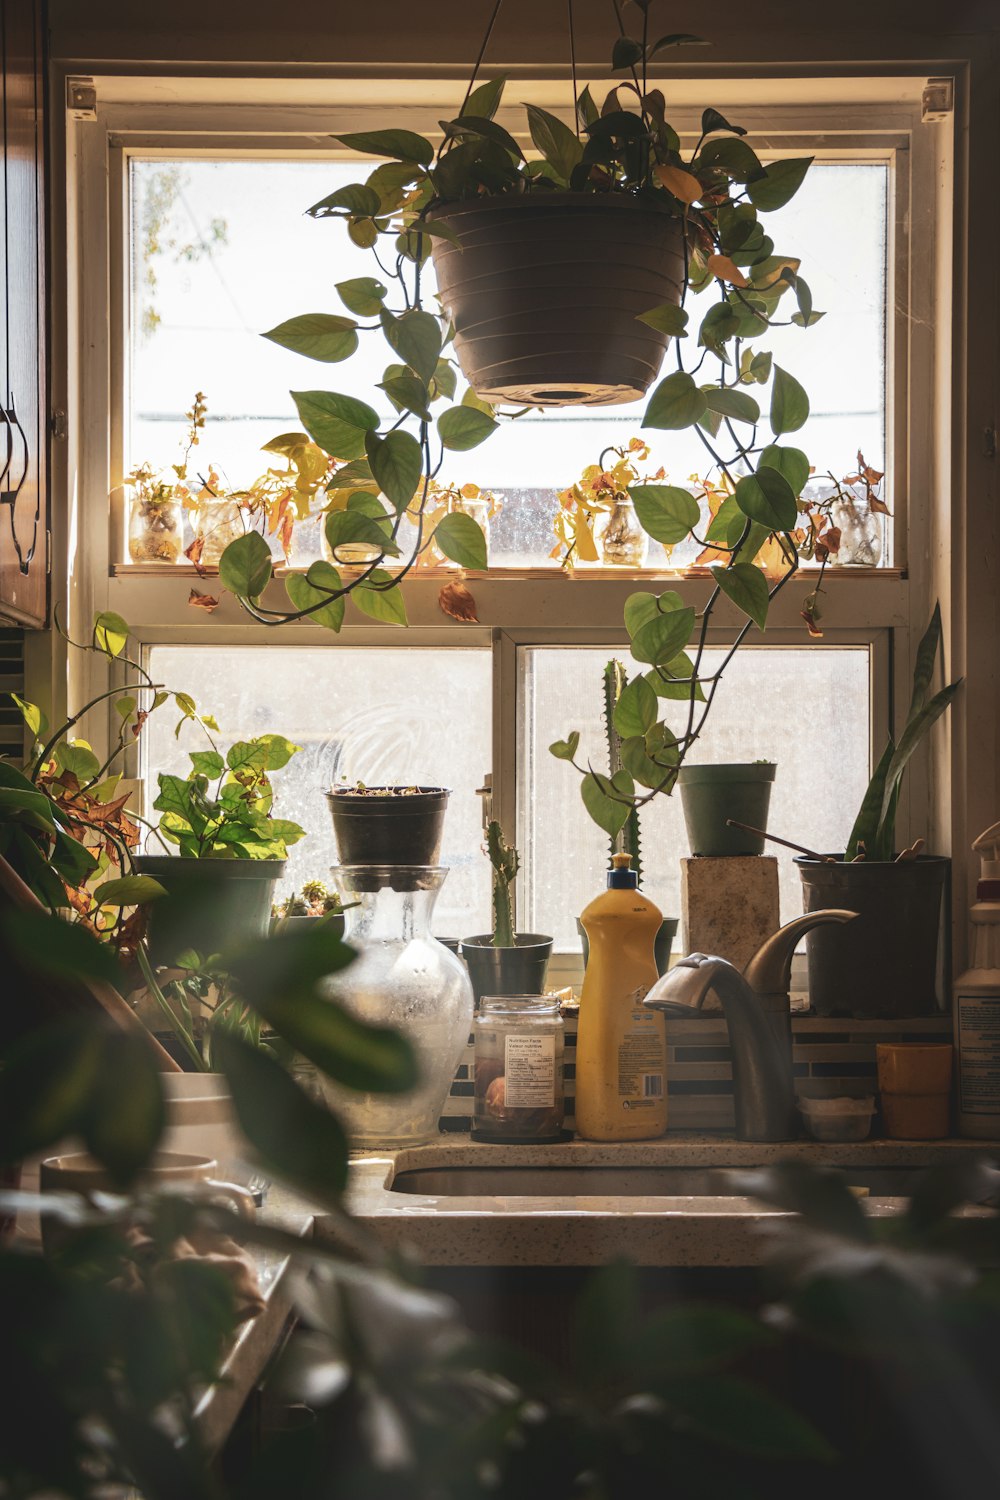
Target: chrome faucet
758,1014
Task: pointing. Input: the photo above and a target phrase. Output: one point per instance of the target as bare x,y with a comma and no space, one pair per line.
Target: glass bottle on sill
405,978
155,530
860,534
621,541
519,1096
217,522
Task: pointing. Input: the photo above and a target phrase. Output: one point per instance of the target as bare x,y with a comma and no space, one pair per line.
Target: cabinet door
24,423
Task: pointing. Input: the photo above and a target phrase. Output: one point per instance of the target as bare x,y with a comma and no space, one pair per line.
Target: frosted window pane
212,268
806,709
403,715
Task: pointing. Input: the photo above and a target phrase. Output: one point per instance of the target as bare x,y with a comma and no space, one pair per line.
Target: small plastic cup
914,1080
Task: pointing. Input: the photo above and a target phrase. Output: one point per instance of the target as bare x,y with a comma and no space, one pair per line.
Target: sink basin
614,1182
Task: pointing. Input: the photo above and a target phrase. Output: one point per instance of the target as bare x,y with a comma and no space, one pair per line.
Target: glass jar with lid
519,1070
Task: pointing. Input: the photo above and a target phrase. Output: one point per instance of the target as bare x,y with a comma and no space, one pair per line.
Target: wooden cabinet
23,403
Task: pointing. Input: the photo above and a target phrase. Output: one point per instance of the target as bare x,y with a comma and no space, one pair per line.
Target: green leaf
667,318
124,707
484,101
597,793
478,126
337,423
46,1081
354,198
34,720
296,1139
914,732
665,511
396,462
444,379
639,608
559,145
207,763
356,475
725,1409
566,749
313,589
416,338
635,711
640,763
675,39
923,667
407,392
362,295
790,462
59,949
767,497
346,528
463,427
690,1339
110,633
385,604
747,587
126,1112
78,759
719,528
626,53
323,336
662,637
674,679
730,403
866,824
401,145
129,890
720,324
461,538
245,567
789,403
677,402
780,182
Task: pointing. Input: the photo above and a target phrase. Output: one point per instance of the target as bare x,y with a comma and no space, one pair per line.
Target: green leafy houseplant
624,154
222,808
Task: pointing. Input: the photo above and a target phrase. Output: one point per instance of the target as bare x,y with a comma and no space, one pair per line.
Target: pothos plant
626,146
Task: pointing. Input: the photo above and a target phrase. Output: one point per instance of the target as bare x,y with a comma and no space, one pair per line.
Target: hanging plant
621,158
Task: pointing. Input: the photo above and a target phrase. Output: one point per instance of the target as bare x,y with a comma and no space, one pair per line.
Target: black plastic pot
210,905
386,827
333,921
546,294
507,971
710,795
662,944
890,961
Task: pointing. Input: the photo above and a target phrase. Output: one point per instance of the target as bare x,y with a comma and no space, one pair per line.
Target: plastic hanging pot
211,904
890,961
507,971
546,290
388,825
710,795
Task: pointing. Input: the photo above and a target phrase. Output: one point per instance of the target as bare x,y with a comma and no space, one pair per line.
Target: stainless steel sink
615,1182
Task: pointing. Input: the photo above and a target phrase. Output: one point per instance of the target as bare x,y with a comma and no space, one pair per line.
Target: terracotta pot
546,291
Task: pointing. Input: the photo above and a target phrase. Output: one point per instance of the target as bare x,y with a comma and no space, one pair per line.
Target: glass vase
621,540
860,534
404,978
216,524
155,530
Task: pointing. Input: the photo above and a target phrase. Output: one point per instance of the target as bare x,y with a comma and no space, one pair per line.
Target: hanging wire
572,63
482,52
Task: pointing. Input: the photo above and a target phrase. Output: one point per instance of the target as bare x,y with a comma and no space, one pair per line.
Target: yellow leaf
683,185
586,549
726,270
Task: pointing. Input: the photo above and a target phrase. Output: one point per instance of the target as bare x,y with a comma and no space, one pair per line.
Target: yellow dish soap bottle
621,1048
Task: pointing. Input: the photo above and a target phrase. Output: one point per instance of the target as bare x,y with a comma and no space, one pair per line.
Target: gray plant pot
507,971
211,904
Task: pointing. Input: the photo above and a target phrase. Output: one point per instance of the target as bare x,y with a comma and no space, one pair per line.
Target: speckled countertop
698,1229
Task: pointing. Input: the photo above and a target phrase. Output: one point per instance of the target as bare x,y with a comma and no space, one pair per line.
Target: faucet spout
769,972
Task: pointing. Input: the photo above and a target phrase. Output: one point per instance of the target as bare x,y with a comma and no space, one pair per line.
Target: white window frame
885,609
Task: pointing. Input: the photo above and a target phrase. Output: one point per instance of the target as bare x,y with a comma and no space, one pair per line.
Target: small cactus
505,862
627,840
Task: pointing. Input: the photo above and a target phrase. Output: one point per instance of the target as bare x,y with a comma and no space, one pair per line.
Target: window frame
886,609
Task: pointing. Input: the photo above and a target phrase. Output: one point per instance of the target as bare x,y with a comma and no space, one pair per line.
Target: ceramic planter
546,291
507,971
200,1117
888,962
211,905
385,826
710,795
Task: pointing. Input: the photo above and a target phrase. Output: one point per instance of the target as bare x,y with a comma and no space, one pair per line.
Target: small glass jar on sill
621,540
519,1095
217,522
155,529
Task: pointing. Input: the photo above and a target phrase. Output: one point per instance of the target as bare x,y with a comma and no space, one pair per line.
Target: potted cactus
505,962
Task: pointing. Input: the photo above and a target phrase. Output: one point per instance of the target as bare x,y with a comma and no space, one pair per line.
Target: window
195,221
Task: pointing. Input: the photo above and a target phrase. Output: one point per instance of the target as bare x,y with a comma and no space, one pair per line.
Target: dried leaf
726,270
193,553
878,505
207,602
683,185
455,600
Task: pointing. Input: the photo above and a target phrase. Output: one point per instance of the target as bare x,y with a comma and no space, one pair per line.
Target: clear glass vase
860,534
402,977
216,524
155,530
620,539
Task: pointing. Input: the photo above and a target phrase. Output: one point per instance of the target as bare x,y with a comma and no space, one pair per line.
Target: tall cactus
627,840
505,862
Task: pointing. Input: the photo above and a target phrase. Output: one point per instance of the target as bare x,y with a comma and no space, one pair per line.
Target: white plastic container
842,1119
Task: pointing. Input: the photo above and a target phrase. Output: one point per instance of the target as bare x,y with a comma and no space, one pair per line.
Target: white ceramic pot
200,1117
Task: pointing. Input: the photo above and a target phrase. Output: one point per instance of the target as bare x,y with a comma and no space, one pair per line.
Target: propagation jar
519,1070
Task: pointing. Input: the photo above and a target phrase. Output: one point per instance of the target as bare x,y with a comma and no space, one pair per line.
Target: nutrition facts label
979,1053
530,1071
640,1064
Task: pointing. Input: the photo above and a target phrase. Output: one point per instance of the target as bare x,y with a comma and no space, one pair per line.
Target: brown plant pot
546,291
890,961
